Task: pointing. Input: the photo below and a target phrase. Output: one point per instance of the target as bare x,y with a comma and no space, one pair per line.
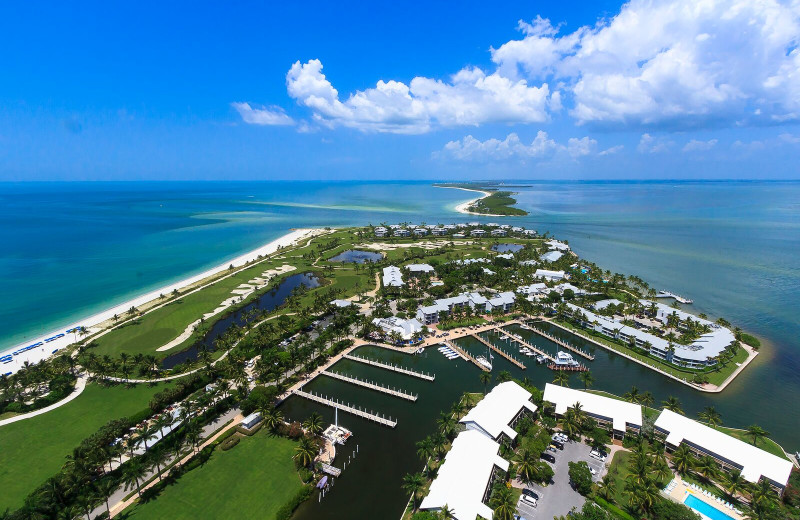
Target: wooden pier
347,408
562,343
501,352
567,368
372,386
389,366
466,355
518,339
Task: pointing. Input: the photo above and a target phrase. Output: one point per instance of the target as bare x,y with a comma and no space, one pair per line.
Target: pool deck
678,494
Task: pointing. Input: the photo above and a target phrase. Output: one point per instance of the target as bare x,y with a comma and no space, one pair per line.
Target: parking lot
559,498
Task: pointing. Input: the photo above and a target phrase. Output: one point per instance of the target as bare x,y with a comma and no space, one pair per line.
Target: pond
507,248
357,256
266,302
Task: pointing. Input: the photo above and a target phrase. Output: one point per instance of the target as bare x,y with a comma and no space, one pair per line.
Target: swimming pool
706,510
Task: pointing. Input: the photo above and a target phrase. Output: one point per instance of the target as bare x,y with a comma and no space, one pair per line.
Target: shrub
286,510
581,477
229,443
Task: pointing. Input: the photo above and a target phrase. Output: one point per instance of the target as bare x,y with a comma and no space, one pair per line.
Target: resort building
251,420
499,232
341,303
528,262
464,480
439,231
419,269
617,416
477,233
558,246
407,329
550,276
487,271
507,256
468,261
420,232
392,277
402,233
502,302
497,413
551,256
529,232
701,353
517,229
577,291
730,453
381,232
532,290
602,304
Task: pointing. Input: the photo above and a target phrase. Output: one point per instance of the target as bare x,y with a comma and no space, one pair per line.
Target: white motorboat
483,361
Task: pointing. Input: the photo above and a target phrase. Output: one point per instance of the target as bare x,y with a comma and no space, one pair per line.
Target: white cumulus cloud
650,144
699,146
542,147
262,116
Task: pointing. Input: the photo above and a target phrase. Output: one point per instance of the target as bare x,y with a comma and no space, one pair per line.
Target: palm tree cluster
647,471
38,385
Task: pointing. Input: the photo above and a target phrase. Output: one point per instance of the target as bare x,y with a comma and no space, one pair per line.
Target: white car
598,455
527,500
592,471
560,437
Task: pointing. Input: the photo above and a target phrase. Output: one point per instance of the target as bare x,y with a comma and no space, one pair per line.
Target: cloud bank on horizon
656,66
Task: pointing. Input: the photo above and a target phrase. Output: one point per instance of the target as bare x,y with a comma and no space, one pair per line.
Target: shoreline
46,350
462,208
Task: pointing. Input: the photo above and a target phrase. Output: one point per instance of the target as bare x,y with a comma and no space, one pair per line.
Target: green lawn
252,480
767,445
35,449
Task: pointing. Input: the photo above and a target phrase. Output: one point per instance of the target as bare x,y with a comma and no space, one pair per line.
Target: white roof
503,298
555,244
546,273
552,256
406,328
464,476
419,268
494,413
618,412
342,303
533,288
602,304
392,277
754,462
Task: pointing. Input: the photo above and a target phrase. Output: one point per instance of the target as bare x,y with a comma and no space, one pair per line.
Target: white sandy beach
462,208
46,350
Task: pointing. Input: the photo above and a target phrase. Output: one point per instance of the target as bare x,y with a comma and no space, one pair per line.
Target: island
493,203
269,378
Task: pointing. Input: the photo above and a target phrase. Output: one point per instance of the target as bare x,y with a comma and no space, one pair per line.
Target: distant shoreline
462,208
45,351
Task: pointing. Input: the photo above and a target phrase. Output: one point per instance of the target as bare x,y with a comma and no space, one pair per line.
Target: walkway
402,394
466,355
561,343
394,368
80,385
509,357
372,416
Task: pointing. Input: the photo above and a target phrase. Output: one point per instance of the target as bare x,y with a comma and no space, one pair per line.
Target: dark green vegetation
498,203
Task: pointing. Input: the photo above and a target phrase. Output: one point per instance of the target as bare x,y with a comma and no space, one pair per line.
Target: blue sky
422,90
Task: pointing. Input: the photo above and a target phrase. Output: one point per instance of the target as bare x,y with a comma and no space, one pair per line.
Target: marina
372,386
562,343
380,419
509,357
393,368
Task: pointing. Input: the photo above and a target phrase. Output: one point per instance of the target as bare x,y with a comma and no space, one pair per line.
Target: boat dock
567,368
679,299
562,343
518,339
331,470
466,355
389,366
372,386
501,352
372,416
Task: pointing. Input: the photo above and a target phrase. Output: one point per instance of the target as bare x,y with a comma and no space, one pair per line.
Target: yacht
337,434
483,361
564,359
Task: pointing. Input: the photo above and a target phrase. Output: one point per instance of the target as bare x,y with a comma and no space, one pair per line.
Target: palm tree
647,399
134,472
673,404
425,449
503,503
413,483
313,424
445,513
632,395
757,432
763,495
605,488
711,416
561,377
486,378
525,464
707,466
106,488
273,419
587,379
735,483
306,451
683,460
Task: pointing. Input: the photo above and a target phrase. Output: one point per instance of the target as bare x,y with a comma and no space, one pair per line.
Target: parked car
599,455
592,471
531,493
552,448
549,458
558,444
525,499
558,436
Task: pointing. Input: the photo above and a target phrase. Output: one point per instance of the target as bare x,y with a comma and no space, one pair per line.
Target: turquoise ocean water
70,249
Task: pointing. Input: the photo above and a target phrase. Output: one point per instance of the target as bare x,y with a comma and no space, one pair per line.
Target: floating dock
679,299
562,343
518,339
466,355
372,386
501,352
389,366
331,470
380,419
